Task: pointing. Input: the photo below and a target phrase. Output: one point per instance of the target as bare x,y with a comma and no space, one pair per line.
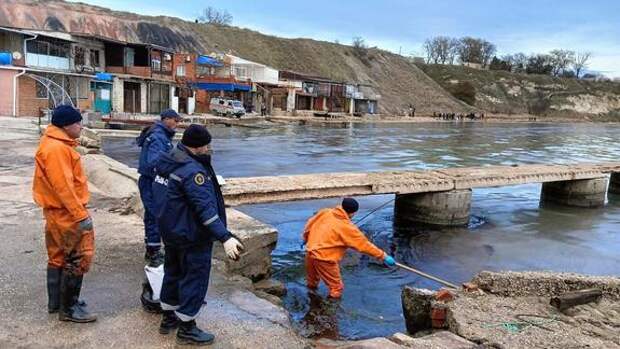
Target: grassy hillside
509,93
395,78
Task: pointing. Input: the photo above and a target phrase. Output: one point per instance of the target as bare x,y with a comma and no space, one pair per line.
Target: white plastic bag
156,279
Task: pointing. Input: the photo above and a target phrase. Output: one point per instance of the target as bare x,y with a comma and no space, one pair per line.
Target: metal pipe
421,273
15,91
20,74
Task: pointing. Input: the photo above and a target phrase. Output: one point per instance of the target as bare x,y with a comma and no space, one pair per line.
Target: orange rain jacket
59,180
330,232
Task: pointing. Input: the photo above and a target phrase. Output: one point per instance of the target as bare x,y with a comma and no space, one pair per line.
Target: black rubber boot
70,310
189,334
80,302
154,257
169,322
53,289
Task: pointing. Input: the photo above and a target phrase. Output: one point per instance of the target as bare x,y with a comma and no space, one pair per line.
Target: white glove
233,248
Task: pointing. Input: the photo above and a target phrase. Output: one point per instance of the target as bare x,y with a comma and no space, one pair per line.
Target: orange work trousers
67,247
328,271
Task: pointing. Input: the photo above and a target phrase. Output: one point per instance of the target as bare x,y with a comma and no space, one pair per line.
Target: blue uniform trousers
186,279
152,238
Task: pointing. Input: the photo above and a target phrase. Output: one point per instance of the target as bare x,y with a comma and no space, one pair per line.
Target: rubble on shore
513,310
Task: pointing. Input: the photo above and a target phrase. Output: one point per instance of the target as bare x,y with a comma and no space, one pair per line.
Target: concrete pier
446,208
614,183
580,193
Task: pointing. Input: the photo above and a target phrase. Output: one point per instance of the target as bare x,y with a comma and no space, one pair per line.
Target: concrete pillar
578,193
191,104
446,208
174,101
118,95
352,106
143,98
290,100
614,183
325,104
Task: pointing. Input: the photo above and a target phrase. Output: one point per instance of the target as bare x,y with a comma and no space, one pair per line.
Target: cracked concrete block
416,308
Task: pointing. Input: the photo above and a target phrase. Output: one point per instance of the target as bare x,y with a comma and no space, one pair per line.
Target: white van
226,107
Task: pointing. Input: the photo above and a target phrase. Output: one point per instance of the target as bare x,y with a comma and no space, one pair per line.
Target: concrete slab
500,318
250,190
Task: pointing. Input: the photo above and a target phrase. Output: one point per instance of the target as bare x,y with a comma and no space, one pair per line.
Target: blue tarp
103,76
206,60
214,86
6,58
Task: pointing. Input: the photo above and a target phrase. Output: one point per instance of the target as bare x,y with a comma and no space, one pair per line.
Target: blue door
103,97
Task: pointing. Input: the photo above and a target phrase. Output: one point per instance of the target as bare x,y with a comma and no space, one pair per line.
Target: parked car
226,107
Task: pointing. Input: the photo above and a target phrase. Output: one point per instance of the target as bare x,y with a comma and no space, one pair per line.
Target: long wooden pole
421,273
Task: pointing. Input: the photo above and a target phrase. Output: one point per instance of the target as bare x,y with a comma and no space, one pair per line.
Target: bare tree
519,62
561,60
211,15
454,50
581,62
431,51
442,44
359,46
470,50
442,50
487,52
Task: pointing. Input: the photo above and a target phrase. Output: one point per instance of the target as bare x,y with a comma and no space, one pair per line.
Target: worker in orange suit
60,188
327,236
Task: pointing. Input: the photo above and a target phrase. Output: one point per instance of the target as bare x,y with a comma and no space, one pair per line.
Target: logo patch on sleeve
199,179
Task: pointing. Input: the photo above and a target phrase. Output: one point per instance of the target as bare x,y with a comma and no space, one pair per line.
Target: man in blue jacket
154,141
191,217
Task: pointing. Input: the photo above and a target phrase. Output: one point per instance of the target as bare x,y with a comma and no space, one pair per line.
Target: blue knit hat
169,113
350,205
64,115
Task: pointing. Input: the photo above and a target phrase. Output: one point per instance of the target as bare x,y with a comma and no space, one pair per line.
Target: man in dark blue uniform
191,217
154,141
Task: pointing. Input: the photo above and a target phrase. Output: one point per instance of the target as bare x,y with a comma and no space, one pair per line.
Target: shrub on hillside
539,104
465,91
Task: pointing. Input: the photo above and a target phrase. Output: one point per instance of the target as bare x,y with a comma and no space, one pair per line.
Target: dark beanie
350,205
196,136
169,113
64,115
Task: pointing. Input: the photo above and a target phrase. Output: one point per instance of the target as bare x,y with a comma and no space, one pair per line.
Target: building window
130,55
181,70
94,58
37,47
80,56
159,98
204,70
156,64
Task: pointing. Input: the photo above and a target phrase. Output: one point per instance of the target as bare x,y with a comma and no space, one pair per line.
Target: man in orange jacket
60,188
327,236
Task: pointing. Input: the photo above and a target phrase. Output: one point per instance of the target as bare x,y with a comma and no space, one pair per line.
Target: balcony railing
45,61
135,70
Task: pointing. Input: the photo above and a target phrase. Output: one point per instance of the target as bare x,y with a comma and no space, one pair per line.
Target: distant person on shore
60,187
154,141
191,217
327,236
411,110
263,109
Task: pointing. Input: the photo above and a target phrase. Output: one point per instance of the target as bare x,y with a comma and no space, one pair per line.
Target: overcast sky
402,25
